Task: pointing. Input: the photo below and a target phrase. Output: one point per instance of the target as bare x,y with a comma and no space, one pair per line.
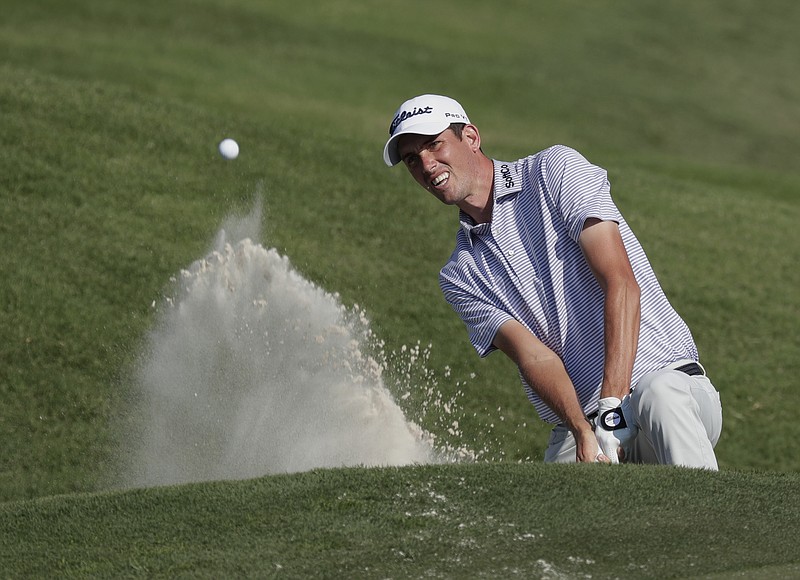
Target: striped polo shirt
526,264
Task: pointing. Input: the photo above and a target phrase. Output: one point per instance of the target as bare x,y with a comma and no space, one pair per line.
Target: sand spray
251,370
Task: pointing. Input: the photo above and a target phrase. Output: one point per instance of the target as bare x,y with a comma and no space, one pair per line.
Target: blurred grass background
110,113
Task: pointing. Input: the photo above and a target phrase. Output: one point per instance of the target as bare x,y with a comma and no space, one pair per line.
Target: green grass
110,184
473,521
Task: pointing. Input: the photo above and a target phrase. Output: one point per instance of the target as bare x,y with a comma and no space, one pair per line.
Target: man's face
443,164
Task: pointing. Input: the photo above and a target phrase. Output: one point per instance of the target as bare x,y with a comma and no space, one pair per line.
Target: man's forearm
605,253
543,370
622,314
550,381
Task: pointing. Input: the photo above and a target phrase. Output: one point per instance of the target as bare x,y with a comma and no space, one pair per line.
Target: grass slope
110,183
451,521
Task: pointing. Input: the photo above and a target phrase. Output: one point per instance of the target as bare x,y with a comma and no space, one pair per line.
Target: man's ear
471,135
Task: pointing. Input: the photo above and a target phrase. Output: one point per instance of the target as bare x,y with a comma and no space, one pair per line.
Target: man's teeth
441,179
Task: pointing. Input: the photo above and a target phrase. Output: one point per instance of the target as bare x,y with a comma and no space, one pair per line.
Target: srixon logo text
505,171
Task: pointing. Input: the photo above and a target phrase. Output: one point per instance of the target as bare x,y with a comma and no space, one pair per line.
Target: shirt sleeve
482,318
579,189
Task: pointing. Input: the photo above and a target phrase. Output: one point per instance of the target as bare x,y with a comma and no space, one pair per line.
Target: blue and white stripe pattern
526,264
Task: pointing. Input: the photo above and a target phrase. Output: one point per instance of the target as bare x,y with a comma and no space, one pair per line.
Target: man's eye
434,146
411,160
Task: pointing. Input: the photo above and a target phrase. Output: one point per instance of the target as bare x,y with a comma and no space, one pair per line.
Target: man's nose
428,161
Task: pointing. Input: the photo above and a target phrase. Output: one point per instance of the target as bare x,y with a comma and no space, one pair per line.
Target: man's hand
587,449
614,426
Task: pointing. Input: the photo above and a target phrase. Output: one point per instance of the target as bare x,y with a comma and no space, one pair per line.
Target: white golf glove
614,427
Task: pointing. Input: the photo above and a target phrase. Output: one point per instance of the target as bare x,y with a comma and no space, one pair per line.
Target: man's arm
605,253
544,371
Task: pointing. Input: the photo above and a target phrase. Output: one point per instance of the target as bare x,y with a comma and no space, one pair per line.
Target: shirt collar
507,180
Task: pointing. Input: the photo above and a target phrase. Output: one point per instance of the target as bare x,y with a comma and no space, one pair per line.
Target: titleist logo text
407,115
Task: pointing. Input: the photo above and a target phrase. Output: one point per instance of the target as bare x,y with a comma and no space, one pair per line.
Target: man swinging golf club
546,270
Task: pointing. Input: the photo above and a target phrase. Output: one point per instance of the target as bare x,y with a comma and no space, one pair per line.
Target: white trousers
679,419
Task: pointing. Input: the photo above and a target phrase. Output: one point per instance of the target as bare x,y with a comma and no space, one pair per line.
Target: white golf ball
229,149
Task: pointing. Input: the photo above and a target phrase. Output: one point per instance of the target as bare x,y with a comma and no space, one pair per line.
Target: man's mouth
441,179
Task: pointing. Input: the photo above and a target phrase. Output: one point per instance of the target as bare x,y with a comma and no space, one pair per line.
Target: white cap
422,115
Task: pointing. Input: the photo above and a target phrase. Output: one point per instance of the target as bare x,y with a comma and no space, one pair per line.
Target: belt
692,369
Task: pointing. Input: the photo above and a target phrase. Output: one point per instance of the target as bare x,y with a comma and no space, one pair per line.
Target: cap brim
390,154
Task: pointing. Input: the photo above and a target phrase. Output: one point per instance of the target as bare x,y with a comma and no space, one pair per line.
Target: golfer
546,270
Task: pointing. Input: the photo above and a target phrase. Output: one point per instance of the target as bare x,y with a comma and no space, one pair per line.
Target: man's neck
479,205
